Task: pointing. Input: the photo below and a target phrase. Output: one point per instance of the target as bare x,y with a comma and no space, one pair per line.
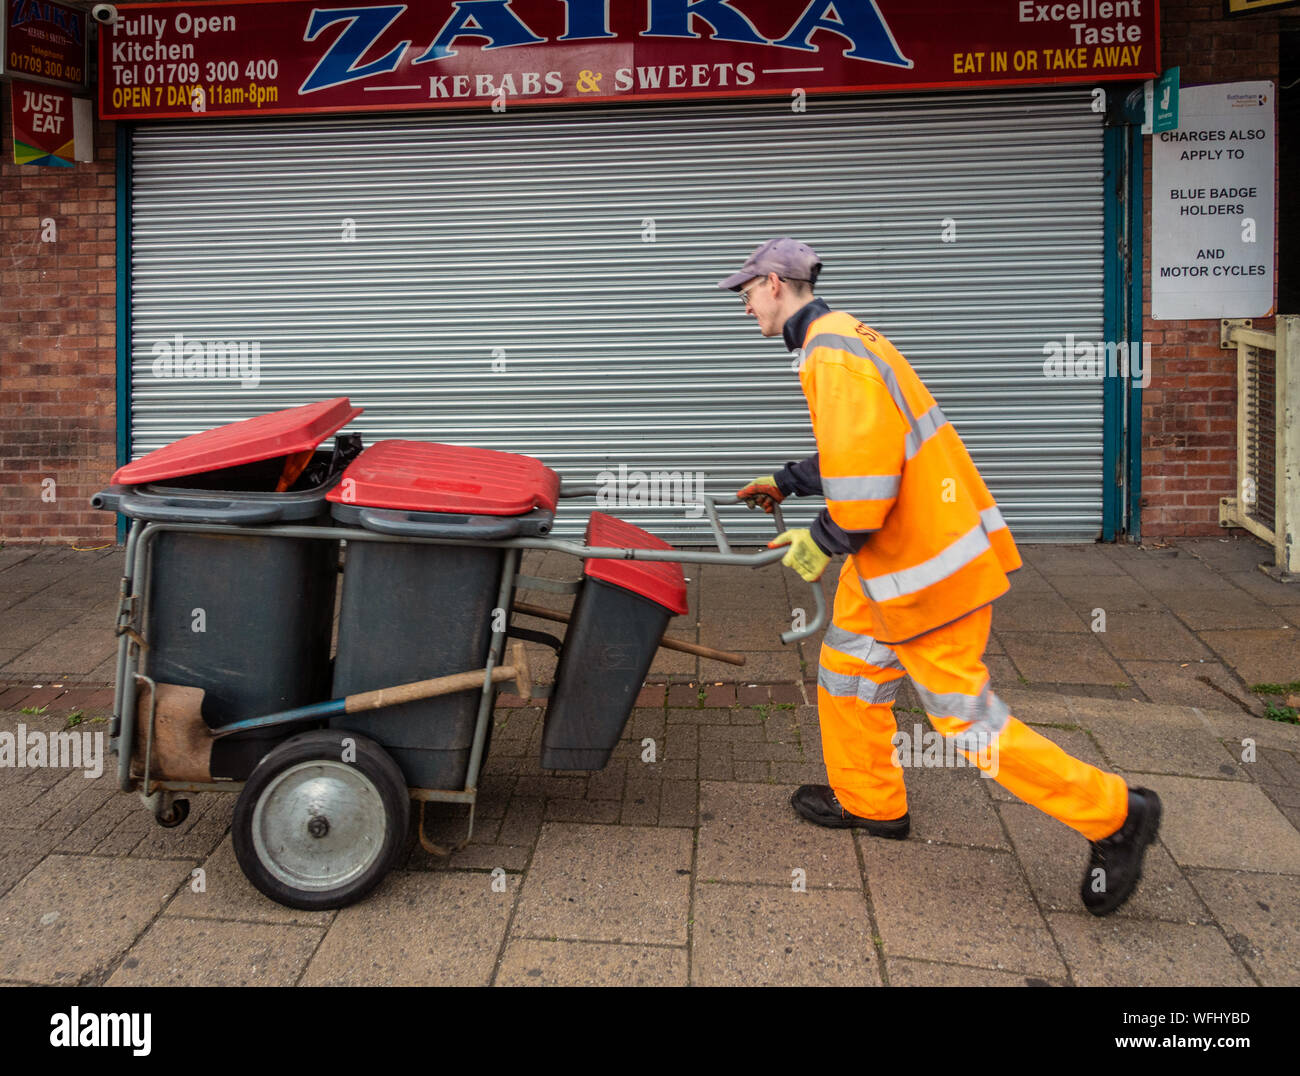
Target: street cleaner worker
927,553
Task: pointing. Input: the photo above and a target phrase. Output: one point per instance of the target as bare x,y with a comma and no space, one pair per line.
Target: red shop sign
252,58
42,41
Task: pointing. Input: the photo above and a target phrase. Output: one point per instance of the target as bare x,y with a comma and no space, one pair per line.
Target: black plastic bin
247,618
412,611
618,618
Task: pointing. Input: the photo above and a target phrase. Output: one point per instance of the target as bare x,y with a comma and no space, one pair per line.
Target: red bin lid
661,581
281,433
424,477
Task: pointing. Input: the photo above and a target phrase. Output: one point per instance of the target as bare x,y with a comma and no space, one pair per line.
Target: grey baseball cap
785,257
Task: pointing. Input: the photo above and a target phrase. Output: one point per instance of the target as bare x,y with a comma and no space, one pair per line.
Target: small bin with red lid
619,616
245,617
413,610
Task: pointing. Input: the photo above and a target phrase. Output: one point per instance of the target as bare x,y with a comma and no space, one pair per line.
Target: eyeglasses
744,295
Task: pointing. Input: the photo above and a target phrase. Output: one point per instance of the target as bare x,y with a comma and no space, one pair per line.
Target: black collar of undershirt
796,325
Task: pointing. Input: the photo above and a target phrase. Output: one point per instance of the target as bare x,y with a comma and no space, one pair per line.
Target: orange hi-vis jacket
892,464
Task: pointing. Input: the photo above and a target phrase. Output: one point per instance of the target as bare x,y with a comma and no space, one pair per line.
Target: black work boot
817,803
1116,861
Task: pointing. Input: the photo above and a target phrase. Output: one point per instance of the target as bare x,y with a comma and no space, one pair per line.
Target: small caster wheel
170,815
313,831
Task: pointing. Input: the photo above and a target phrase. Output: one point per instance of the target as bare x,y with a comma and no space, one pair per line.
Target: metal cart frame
160,794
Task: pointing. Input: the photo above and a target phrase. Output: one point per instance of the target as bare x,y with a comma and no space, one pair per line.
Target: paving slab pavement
685,864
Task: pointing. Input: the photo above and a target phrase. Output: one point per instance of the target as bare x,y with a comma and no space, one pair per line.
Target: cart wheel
173,817
312,830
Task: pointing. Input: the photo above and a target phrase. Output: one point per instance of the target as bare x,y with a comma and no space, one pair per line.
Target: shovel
180,741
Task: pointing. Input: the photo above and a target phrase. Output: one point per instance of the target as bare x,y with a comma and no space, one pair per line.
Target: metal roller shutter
545,281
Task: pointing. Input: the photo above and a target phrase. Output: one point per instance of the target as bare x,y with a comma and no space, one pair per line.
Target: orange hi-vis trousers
856,685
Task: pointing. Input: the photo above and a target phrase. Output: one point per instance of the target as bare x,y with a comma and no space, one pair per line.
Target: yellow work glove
763,492
805,556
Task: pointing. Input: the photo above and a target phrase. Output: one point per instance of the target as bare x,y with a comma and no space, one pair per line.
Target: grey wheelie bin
415,610
245,617
619,616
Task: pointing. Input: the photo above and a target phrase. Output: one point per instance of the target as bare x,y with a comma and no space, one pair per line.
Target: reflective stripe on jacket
892,464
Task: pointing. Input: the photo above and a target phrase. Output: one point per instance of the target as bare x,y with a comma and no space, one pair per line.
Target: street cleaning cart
324,631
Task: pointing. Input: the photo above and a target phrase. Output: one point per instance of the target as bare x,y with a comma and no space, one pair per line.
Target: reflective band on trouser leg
947,668
856,683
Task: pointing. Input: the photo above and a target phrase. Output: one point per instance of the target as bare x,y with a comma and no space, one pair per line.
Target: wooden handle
424,689
444,685
668,644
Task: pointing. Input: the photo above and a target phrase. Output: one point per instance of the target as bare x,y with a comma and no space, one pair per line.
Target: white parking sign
1212,205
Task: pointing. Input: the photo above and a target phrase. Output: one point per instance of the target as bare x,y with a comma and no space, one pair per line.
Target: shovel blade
182,744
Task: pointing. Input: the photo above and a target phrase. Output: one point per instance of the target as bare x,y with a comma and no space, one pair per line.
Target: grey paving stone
1035,707
95,828
903,972
26,624
1282,763
1258,655
530,962
1153,636
523,820
488,857
1083,594
922,896
20,851
1054,858
1036,611
72,917
678,804
1238,552
442,928
762,666
1263,587
1002,671
1173,570
1048,659
31,580
1054,560
197,836
747,935
641,802
78,647
953,806
607,883
1260,914
1237,727
750,833
1227,824
1027,577
1144,952
570,810
1183,682
1230,610
1146,742
207,952
222,892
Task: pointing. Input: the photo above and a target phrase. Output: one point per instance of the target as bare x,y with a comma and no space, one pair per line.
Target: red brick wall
1189,412
57,345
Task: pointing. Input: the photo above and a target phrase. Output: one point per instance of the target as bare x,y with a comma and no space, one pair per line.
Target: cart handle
819,599
724,555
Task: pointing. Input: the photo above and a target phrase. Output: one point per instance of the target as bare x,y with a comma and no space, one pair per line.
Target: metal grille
545,281
1261,435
